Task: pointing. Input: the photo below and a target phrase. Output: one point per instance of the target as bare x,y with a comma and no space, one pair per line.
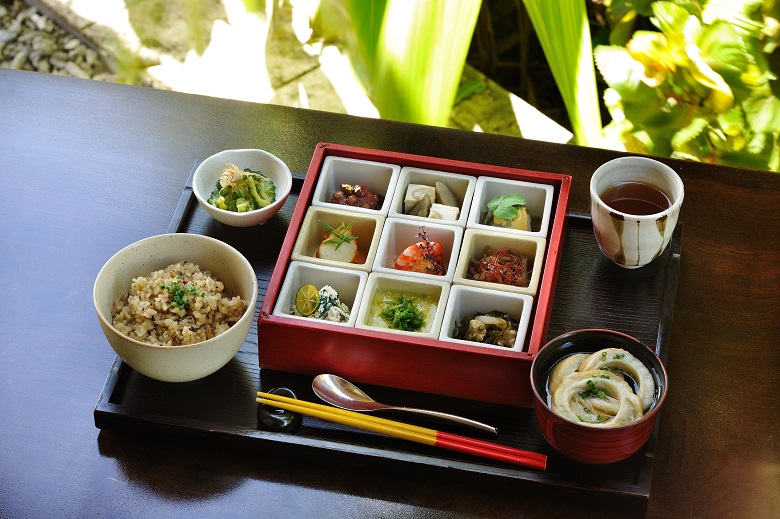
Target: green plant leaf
469,88
669,17
563,30
655,53
743,15
762,112
506,206
724,51
365,19
420,54
620,71
732,123
622,20
720,98
690,132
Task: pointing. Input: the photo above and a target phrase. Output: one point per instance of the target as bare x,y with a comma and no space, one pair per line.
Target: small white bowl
191,361
476,240
204,182
462,186
350,285
378,177
437,290
538,201
368,227
465,301
398,234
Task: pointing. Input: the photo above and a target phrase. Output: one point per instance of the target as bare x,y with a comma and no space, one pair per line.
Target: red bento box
373,356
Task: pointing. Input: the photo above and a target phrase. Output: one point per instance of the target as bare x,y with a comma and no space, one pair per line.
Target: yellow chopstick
343,412
407,431
332,416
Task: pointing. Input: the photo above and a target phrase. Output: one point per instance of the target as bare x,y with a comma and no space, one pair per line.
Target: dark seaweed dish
494,328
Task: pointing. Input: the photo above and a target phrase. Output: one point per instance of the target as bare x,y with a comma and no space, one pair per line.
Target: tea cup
635,203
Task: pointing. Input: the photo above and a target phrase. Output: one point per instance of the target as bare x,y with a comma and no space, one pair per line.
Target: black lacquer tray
591,293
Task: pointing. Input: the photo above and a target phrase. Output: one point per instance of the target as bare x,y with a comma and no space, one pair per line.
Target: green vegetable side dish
242,191
402,313
400,310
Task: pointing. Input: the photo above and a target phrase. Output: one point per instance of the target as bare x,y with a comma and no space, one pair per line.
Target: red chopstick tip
493,451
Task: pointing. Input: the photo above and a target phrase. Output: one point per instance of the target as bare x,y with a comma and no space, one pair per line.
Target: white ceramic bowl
176,363
465,301
378,177
462,186
434,289
368,227
348,283
398,234
207,173
475,241
538,199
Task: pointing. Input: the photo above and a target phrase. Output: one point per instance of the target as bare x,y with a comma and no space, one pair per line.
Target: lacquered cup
631,240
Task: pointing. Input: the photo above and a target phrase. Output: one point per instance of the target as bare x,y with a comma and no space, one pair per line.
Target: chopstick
409,432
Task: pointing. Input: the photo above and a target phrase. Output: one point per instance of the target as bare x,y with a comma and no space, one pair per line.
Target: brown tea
635,198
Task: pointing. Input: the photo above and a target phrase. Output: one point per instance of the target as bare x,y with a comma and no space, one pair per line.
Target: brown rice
149,313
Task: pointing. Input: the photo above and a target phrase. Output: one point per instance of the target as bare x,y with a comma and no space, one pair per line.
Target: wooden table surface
88,168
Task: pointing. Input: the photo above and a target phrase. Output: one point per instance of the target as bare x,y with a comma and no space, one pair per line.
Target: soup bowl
585,442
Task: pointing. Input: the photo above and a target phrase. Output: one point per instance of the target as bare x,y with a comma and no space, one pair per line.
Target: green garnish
402,314
603,355
507,206
339,235
180,295
618,355
593,392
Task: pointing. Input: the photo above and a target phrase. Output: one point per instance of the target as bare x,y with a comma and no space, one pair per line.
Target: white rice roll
568,402
619,358
563,368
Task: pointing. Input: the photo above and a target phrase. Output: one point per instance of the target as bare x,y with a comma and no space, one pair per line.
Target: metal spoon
345,395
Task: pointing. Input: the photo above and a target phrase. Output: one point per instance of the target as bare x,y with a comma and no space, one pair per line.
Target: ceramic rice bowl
588,444
185,362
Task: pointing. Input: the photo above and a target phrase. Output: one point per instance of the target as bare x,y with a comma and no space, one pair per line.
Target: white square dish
350,285
379,283
538,200
477,241
461,186
367,227
399,235
465,301
378,177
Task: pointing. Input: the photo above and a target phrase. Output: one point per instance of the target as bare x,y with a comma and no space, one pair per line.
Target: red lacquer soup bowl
582,441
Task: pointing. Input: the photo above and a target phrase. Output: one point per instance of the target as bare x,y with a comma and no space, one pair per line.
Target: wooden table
89,168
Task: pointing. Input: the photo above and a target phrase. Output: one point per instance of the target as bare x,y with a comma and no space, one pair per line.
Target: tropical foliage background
689,79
